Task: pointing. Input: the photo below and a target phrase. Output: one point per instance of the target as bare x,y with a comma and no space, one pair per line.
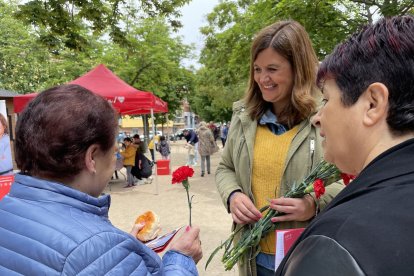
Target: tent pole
153,135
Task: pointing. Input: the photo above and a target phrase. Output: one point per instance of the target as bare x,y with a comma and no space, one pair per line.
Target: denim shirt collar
270,119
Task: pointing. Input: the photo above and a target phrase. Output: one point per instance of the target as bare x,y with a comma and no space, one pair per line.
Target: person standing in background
138,144
271,143
205,147
152,146
190,155
223,134
214,129
6,162
192,139
164,148
129,160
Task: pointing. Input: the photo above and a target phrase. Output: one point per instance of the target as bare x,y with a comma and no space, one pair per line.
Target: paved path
171,205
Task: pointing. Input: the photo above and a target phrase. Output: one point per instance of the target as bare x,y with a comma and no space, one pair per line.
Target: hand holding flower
189,243
290,207
294,209
243,210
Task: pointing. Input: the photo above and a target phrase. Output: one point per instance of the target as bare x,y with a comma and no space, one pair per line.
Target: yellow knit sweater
270,152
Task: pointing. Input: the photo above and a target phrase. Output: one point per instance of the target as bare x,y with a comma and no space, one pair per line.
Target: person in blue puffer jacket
55,220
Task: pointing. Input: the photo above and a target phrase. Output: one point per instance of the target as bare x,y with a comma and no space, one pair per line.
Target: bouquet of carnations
323,175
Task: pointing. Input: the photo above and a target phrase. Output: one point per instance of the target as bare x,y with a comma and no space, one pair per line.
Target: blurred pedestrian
152,146
206,146
190,155
192,140
139,144
164,148
129,160
223,134
6,163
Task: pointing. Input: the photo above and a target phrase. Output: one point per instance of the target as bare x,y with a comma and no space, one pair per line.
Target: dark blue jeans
263,271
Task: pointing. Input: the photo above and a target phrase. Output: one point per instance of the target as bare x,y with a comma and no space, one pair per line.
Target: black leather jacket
367,229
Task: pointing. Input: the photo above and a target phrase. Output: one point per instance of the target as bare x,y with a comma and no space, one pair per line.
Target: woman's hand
135,229
189,243
296,209
242,209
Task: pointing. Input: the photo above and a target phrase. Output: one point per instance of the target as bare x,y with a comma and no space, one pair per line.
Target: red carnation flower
347,178
318,188
181,174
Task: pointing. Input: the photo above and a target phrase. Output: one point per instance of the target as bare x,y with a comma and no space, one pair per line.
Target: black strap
4,172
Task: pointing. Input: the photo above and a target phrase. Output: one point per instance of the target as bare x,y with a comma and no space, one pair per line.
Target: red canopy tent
102,81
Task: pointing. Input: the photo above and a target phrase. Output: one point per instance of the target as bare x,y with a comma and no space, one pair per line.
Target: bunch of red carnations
323,175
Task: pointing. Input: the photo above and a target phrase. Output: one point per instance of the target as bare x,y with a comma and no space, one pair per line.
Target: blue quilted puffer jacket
47,228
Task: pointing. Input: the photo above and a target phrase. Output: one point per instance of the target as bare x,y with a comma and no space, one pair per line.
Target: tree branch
406,9
366,2
139,72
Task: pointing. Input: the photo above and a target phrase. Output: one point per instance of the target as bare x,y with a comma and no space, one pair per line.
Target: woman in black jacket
368,125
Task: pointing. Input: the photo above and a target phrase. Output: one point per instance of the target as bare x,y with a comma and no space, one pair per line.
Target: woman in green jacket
271,143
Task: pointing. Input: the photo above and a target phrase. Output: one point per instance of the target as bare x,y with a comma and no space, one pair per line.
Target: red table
5,184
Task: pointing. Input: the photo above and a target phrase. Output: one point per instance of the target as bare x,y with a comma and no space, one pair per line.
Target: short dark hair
382,52
127,139
136,136
58,126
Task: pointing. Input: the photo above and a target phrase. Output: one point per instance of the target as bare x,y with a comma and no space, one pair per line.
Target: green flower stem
251,238
189,201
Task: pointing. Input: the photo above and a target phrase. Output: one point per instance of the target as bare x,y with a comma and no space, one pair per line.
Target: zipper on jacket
312,152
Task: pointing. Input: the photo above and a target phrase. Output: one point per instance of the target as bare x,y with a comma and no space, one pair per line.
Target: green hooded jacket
235,168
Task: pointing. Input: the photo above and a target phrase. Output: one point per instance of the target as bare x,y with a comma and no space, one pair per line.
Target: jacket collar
390,164
249,128
31,188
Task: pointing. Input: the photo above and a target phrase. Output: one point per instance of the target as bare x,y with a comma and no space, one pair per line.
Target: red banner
5,184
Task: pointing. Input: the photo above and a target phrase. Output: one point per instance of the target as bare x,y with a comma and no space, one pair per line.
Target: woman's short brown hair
55,130
3,121
289,39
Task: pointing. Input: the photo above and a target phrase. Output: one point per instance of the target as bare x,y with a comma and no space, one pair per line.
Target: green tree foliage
61,22
153,60
48,42
23,63
371,8
232,25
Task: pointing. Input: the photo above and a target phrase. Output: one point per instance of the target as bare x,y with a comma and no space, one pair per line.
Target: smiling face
342,129
274,75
